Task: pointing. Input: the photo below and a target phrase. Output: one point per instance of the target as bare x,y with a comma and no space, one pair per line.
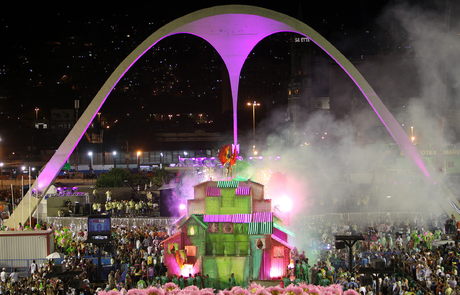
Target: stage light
285,204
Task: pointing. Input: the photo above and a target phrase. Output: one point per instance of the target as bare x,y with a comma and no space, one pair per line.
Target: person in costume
232,281
305,270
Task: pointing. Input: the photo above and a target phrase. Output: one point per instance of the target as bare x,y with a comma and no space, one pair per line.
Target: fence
371,218
22,265
81,222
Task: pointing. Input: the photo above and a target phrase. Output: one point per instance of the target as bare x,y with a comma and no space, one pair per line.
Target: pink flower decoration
304,287
276,290
293,290
225,292
154,291
314,290
335,289
207,291
262,292
350,292
254,287
237,290
170,287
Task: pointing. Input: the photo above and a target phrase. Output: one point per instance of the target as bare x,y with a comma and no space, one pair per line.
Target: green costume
190,281
206,282
306,272
298,270
232,281
141,284
199,281
181,283
164,280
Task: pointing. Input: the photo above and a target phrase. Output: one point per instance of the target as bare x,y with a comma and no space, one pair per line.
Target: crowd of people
125,208
135,253
413,257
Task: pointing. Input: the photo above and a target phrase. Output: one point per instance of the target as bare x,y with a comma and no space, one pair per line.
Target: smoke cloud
332,164
332,169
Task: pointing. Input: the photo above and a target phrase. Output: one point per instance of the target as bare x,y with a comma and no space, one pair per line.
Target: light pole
412,136
254,104
114,154
138,154
36,113
90,155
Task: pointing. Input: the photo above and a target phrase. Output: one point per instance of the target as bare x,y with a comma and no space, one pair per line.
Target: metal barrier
370,218
22,265
81,222
104,260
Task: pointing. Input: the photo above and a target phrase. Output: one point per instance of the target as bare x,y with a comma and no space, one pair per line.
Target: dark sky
43,42
52,54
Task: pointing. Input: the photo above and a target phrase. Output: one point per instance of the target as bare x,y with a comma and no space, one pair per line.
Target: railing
104,260
367,217
81,222
22,265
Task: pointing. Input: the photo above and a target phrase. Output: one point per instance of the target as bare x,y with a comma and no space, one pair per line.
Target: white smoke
339,172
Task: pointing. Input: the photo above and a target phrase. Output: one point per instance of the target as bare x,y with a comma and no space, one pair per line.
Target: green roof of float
283,229
227,184
197,218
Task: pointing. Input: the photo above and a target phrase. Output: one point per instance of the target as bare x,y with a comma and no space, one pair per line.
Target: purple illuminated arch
233,30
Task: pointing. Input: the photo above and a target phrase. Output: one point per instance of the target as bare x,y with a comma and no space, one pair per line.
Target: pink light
284,203
186,270
276,272
182,207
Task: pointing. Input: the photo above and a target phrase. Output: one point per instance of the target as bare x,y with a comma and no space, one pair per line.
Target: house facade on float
229,228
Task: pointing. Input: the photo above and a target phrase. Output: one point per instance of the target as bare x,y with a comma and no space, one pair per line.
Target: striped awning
260,228
212,191
235,218
242,218
262,217
228,184
256,217
218,218
243,191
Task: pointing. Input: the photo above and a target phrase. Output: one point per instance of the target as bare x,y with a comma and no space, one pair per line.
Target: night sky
53,54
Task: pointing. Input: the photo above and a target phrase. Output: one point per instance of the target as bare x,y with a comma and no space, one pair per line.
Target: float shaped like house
229,228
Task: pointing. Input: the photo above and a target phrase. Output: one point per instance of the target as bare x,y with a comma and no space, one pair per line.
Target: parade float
229,229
